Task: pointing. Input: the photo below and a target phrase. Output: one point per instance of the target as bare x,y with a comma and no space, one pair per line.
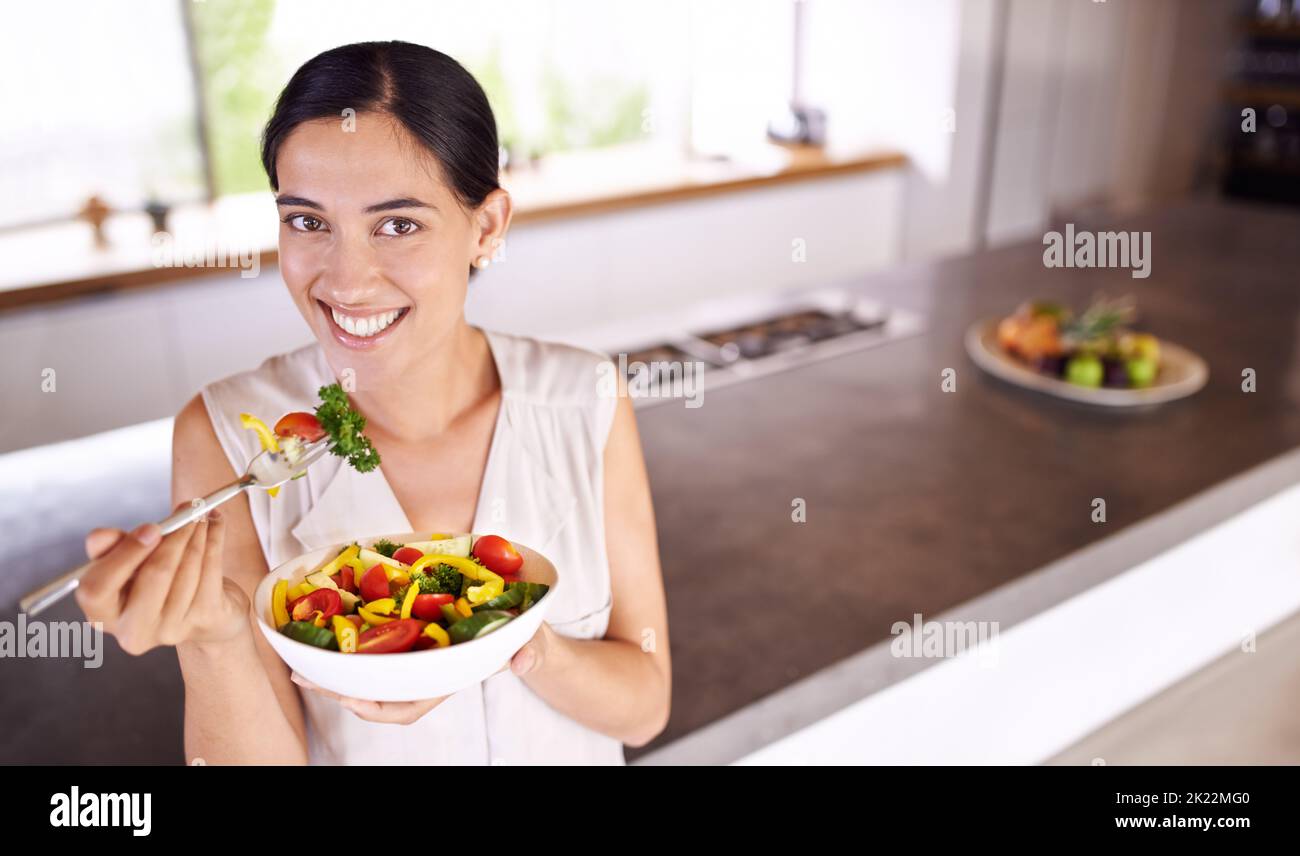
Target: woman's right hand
149,590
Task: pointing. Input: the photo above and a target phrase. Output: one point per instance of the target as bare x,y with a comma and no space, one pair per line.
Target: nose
351,276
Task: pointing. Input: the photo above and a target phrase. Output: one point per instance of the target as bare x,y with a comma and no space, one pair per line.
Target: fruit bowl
409,675
1182,373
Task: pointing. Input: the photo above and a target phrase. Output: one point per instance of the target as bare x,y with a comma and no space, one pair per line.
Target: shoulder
210,420
287,381
551,373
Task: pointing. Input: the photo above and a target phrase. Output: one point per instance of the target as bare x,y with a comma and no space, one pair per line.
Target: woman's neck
418,402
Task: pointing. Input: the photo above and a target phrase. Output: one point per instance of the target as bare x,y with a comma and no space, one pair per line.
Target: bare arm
240,705
620,685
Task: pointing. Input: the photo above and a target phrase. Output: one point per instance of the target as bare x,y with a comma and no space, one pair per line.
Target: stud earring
482,262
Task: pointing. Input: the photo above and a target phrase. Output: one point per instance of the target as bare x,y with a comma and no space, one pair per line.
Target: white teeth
367,326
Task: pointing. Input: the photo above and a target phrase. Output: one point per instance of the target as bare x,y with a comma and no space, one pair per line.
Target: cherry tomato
326,600
304,426
407,555
374,584
429,606
390,637
497,554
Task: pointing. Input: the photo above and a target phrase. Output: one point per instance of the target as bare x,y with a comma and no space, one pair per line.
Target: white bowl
411,675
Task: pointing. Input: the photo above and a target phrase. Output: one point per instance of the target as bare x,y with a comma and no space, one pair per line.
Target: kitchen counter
922,501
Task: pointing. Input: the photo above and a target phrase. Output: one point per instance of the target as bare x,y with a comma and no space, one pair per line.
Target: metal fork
267,470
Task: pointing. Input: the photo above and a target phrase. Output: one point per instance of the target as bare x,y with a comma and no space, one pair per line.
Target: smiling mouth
359,330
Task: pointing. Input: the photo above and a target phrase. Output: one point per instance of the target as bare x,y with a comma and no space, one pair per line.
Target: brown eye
398,226
305,223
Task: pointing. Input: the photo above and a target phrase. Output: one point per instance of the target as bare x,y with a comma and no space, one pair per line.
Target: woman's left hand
392,712
530,658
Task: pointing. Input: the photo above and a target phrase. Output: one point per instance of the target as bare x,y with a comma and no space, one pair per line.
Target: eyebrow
388,205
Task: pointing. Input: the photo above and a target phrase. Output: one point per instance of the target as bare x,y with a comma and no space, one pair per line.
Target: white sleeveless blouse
543,486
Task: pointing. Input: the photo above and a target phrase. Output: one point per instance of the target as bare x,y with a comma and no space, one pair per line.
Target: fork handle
200,507
56,590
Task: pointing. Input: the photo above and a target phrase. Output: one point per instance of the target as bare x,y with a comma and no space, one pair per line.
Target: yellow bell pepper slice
492,584
408,602
463,607
372,618
344,558
346,632
280,603
438,635
265,435
301,590
382,606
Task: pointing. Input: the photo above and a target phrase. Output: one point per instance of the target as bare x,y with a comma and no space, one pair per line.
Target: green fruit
1084,370
1141,372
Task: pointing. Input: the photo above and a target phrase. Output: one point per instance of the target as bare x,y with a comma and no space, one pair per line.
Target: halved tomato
324,600
407,555
497,554
374,584
344,579
391,637
302,425
429,606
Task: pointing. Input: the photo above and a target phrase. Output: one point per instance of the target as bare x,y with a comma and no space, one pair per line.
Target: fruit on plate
1084,370
1091,349
1033,332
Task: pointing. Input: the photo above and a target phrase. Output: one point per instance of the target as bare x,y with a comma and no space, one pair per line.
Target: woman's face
374,247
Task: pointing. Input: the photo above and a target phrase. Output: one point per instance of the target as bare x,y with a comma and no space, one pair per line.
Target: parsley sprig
345,426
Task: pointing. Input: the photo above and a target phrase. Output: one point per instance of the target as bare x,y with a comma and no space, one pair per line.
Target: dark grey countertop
920,500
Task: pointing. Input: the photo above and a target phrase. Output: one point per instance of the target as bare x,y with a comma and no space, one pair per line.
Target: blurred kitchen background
684,170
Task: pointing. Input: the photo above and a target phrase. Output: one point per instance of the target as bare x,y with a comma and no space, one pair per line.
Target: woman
383,157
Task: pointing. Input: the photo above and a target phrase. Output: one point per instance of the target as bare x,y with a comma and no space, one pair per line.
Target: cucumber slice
370,558
458,546
532,592
310,634
349,599
477,625
321,580
508,599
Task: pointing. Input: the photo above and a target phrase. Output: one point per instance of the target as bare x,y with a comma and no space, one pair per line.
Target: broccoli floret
385,548
441,579
398,591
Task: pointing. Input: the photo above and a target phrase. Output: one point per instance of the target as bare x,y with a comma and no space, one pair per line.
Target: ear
491,221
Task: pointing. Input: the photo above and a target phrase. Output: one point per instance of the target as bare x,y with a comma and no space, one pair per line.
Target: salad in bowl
405,617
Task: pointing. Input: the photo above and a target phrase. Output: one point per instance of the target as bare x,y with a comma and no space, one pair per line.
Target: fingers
390,712
207,599
184,584
530,657
150,587
100,591
101,540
